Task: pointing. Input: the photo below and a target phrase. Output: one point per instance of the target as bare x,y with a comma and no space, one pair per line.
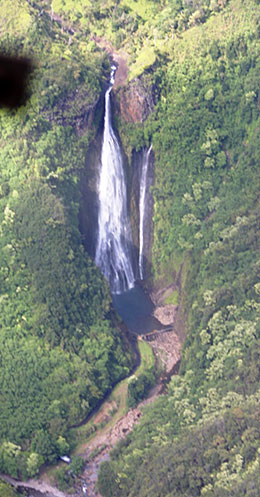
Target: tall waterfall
113,249
142,204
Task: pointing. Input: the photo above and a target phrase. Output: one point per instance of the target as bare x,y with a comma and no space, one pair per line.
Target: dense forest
61,348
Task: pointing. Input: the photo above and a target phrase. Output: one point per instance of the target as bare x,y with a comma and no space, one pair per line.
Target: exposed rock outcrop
136,100
167,350
165,314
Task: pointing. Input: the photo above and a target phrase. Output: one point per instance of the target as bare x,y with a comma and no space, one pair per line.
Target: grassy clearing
145,59
173,298
15,18
147,357
238,16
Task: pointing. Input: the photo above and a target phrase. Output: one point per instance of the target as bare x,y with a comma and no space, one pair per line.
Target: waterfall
142,204
113,249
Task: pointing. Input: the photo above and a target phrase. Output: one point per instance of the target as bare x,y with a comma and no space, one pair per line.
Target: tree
107,481
76,465
34,463
44,446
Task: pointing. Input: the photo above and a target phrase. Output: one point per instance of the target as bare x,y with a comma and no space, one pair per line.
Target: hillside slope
61,349
202,438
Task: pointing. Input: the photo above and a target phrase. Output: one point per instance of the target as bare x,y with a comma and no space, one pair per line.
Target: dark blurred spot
14,73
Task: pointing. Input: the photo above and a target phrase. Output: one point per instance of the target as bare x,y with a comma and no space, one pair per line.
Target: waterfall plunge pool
136,308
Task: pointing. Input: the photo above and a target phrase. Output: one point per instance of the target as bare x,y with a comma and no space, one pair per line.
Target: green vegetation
101,422
139,387
173,298
66,474
140,383
116,405
145,59
147,357
144,29
60,348
6,490
219,458
15,18
202,438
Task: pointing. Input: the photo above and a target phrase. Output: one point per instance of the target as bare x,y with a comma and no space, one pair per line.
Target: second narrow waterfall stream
142,204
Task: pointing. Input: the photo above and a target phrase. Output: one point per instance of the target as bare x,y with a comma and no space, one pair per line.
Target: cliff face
132,103
136,100
88,214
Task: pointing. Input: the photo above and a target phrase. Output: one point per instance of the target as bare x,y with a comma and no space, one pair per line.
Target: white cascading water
142,203
113,249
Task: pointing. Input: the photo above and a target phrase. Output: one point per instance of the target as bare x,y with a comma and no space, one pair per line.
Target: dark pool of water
135,308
